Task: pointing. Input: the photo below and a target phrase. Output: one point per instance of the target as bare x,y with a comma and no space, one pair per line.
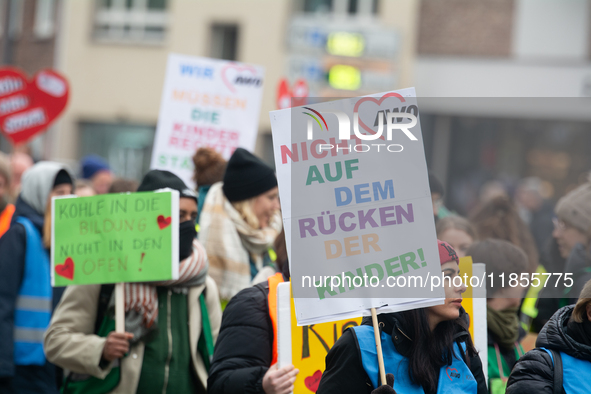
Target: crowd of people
214,329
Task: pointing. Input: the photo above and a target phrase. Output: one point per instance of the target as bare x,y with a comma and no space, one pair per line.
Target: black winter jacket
244,348
20,379
344,370
534,373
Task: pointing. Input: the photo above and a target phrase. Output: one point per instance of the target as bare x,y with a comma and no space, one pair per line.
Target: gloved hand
387,388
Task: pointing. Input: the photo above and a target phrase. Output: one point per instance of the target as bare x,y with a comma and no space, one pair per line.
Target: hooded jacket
344,369
36,186
534,373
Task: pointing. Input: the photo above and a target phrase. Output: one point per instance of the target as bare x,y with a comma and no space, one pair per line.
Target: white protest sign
205,102
356,206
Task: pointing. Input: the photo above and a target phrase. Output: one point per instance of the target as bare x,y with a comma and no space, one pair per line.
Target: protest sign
28,107
113,238
474,303
309,345
205,103
357,207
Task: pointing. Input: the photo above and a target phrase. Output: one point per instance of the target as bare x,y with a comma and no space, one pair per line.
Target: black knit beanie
247,176
62,177
158,179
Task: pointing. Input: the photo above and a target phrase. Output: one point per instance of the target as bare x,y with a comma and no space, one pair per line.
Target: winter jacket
501,361
344,369
534,373
244,350
21,379
71,343
550,297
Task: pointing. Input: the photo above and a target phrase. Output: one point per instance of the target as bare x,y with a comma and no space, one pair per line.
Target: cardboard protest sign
474,303
28,107
309,345
113,238
205,102
356,206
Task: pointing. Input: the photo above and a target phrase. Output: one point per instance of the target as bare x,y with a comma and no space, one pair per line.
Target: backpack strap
557,359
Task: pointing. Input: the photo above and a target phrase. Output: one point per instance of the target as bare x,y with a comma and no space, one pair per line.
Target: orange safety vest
5,218
272,301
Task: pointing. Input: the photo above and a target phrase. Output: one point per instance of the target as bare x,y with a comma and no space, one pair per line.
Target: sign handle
119,308
376,331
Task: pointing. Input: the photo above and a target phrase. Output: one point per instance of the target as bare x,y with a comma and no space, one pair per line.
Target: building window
44,14
127,147
351,7
131,20
224,41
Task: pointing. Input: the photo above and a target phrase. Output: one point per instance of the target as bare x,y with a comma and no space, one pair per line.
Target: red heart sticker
164,222
313,381
448,371
27,108
378,102
66,269
239,70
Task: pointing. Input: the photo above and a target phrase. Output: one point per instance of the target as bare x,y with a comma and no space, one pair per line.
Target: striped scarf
141,299
231,243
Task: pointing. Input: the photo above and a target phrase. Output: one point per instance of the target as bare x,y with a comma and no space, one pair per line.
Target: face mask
187,234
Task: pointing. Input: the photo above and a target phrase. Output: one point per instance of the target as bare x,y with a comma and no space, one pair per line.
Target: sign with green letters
114,238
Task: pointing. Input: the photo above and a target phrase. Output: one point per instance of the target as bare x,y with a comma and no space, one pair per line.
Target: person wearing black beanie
239,223
185,311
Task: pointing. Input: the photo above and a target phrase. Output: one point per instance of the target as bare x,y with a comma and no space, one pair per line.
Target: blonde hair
244,208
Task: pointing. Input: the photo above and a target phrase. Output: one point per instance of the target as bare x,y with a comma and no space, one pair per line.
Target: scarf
231,243
141,299
504,326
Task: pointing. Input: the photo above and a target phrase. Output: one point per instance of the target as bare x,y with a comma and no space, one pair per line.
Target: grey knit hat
575,208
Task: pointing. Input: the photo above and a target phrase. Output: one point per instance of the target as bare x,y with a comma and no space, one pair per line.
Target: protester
26,296
456,231
572,232
19,163
566,340
6,209
498,219
239,222
123,185
504,330
209,169
568,252
246,352
437,192
97,171
534,210
84,188
164,353
420,348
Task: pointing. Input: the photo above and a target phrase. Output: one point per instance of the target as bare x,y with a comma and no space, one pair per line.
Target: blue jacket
20,379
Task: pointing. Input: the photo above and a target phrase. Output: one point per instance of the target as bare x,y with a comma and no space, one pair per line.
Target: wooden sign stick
376,331
119,308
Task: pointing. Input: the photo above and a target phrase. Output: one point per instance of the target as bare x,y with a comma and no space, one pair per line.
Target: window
131,20
351,7
44,25
224,41
127,147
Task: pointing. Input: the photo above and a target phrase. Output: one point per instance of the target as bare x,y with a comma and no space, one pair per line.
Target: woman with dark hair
427,350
